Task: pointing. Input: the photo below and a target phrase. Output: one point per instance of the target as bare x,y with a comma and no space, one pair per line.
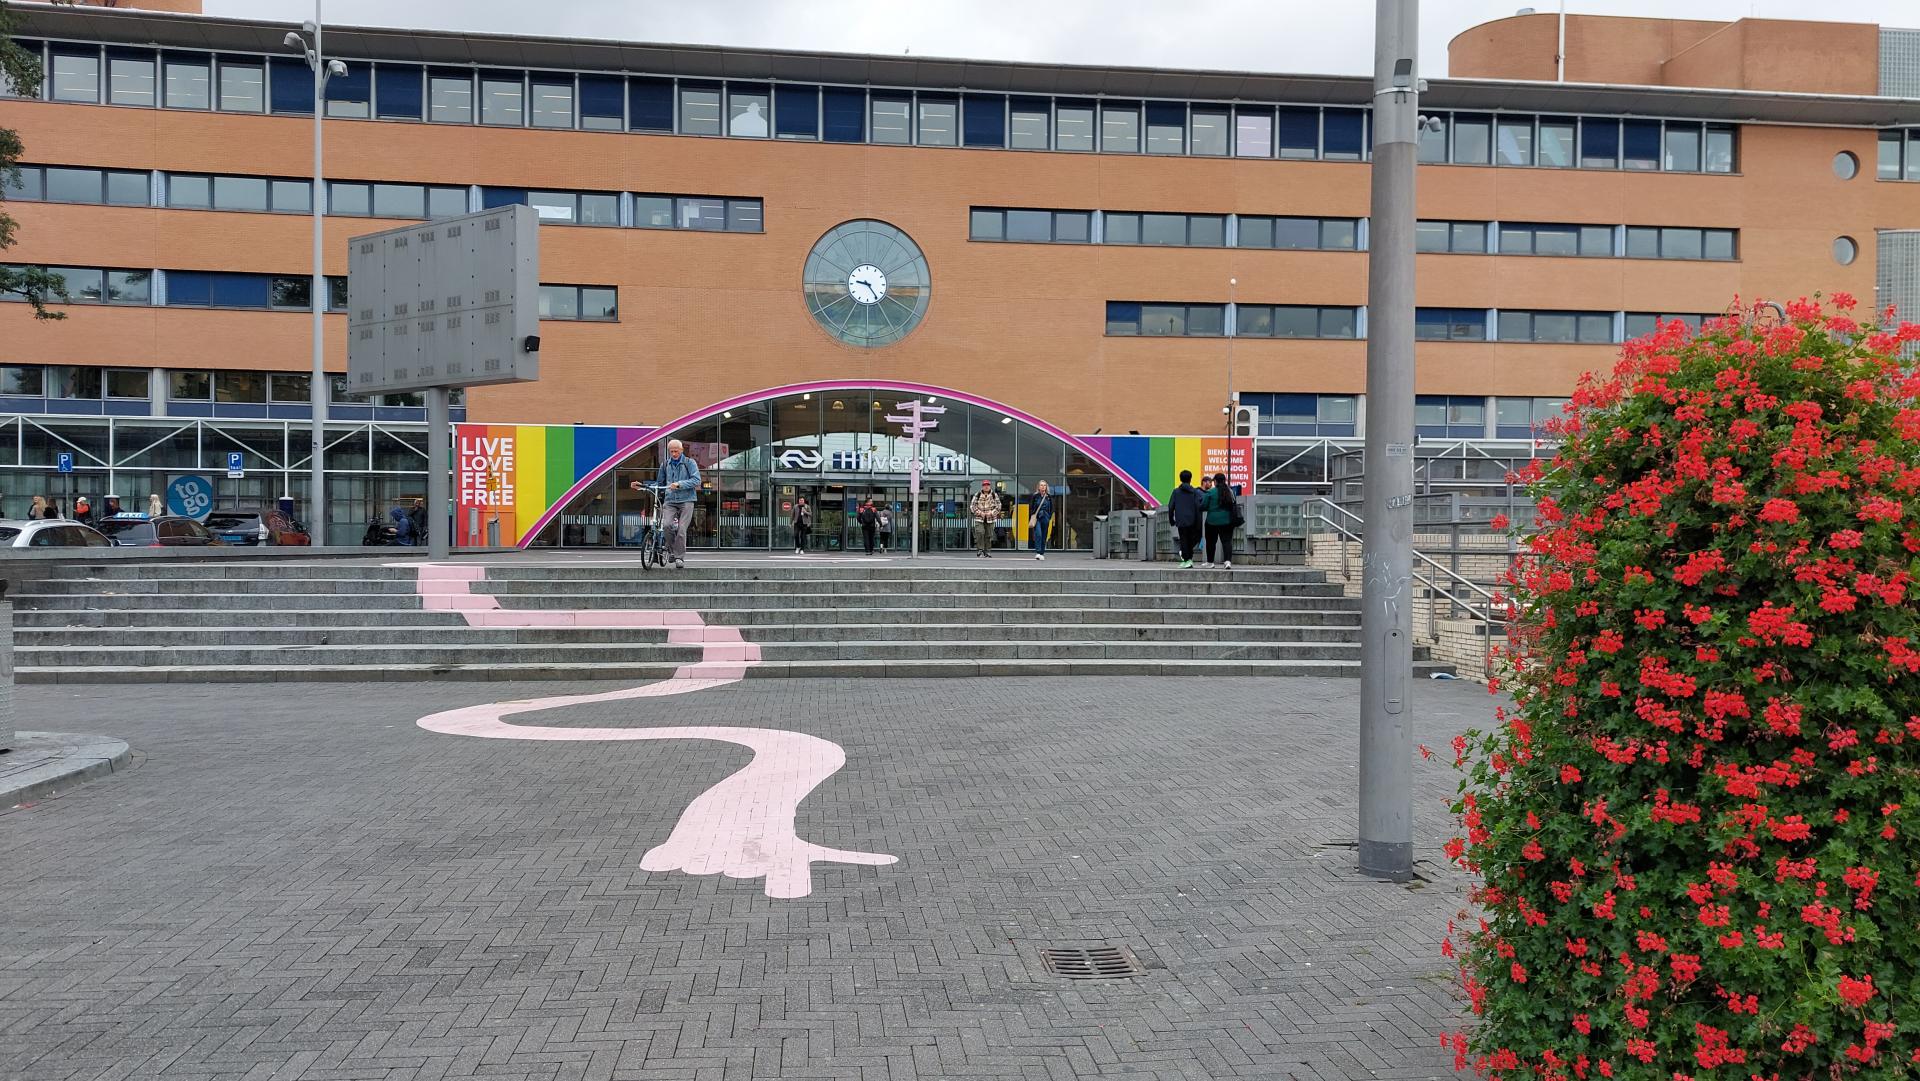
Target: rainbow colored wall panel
506,476
1156,460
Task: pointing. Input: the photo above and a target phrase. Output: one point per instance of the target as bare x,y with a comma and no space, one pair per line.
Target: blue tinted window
985,119
846,115
291,85
493,197
650,104
602,99
1345,133
355,85
240,290
1641,142
796,112
189,287
400,94
1299,133
1599,143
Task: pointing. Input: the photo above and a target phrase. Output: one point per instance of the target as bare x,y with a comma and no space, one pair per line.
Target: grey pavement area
39,764
298,882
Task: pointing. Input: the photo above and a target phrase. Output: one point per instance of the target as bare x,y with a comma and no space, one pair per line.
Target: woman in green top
1219,506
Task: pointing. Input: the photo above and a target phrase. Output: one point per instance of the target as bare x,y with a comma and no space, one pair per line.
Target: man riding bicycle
679,482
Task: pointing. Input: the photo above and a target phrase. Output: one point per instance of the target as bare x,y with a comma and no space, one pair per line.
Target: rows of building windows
1160,320
596,101
1900,155
1586,241
276,292
1585,142
1041,226
1563,327
1164,319
376,199
66,388
1441,415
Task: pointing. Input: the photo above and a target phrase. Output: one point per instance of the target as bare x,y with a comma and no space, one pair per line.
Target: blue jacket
684,471
1042,507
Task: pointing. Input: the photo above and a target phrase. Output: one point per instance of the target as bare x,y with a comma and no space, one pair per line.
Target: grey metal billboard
453,302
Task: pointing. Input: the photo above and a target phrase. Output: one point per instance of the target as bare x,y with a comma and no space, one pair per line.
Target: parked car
256,527
50,533
166,531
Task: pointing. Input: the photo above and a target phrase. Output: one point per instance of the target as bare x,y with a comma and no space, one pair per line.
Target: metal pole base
1392,861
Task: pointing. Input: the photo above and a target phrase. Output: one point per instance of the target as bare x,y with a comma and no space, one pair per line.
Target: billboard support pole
439,453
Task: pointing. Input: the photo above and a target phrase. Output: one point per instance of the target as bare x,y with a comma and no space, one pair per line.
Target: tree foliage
20,70
1697,830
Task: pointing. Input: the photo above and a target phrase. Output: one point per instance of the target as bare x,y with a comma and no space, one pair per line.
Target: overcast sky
1257,35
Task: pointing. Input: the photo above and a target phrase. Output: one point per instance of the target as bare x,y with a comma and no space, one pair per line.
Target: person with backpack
1223,516
886,528
1183,510
869,520
1040,518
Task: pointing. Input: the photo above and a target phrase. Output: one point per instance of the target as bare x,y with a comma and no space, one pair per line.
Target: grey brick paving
296,882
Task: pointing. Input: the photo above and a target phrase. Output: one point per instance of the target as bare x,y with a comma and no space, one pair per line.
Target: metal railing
1481,605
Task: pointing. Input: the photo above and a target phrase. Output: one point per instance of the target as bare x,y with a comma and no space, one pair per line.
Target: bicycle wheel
646,545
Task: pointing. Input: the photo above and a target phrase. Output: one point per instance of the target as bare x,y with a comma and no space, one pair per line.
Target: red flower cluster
1716,681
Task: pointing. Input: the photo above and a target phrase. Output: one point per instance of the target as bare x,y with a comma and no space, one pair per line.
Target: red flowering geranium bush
1697,830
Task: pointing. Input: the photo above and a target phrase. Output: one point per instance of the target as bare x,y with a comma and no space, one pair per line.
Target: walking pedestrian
1223,514
681,479
986,514
417,514
869,520
1183,507
886,528
39,508
802,525
154,507
1039,518
83,511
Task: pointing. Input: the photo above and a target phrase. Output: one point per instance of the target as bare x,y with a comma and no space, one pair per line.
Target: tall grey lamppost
323,69
1386,620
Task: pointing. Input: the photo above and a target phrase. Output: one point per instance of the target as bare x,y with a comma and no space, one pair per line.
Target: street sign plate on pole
63,461
236,465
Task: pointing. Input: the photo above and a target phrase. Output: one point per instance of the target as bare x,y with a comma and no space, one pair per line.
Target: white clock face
867,284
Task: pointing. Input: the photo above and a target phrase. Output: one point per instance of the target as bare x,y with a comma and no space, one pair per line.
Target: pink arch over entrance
821,386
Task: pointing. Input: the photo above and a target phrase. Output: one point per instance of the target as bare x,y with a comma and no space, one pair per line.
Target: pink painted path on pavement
743,826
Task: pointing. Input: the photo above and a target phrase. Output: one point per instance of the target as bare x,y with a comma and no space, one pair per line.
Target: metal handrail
1485,617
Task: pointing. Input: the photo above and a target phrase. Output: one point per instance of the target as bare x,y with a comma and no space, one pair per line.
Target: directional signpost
913,419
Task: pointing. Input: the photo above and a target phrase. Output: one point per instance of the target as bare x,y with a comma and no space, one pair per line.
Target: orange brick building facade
1559,216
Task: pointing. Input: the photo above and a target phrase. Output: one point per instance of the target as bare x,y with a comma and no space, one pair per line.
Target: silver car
50,533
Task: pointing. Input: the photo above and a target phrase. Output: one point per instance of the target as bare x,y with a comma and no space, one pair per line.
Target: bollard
1101,541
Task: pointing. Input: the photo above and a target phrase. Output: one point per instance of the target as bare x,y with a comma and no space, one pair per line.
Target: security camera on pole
913,420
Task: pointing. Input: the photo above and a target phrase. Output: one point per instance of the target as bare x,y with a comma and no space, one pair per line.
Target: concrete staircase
258,620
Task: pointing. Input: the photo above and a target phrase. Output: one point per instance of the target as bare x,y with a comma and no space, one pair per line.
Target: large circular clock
867,283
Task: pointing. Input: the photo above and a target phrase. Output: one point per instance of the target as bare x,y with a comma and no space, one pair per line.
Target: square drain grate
1092,963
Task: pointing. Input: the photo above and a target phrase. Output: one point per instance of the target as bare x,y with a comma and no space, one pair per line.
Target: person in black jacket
869,519
1183,506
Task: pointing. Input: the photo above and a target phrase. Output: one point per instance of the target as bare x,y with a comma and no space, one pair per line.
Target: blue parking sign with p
236,463
64,461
